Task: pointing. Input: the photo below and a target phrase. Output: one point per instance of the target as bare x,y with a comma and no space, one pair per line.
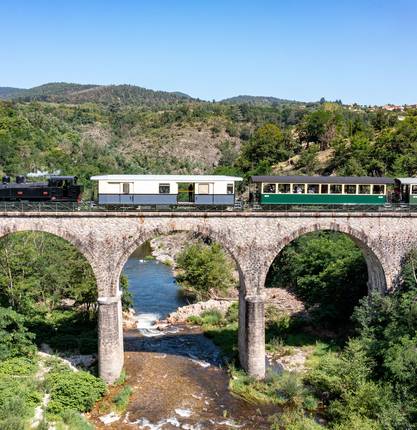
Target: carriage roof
325,179
167,178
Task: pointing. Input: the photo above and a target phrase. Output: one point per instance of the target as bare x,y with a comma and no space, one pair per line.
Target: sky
362,51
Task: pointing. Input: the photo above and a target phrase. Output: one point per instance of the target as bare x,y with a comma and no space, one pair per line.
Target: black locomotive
57,189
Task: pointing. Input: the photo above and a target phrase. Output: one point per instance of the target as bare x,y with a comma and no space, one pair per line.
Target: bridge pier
252,335
110,338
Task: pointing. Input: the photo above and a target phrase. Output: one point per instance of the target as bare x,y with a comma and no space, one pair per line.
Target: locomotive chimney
20,179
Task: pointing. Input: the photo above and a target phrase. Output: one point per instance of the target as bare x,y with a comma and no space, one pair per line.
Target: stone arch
144,236
375,261
53,229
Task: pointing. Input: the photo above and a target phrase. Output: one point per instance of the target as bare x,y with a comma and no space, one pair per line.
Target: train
217,191
55,189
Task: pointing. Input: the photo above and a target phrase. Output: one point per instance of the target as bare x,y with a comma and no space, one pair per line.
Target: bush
77,391
15,339
12,423
205,271
75,421
21,366
18,396
211,317
121,400
294,420
232,314
284,389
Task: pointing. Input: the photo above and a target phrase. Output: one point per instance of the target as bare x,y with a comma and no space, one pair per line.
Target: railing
238,207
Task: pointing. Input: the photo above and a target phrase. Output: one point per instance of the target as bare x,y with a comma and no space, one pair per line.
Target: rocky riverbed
177,375
179,381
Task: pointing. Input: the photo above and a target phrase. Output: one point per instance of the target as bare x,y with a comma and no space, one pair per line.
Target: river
178,376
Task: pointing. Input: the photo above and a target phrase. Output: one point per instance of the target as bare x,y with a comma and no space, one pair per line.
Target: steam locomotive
57,189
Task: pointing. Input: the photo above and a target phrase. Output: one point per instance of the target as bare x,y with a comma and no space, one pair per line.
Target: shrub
21,366
77,391
121,399
75,421
195,319
294,420
211,317
14,337
232,314
18,396
205,270
12,423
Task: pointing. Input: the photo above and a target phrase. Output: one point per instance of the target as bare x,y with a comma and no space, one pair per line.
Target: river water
153,287
178,376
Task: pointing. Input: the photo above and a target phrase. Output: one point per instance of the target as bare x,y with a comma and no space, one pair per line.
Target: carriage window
298,188
284,188
229,189
164,188
203,188
364,189
270,188
313,188
335,189
414,189
378,189
125,188
324,188
350,189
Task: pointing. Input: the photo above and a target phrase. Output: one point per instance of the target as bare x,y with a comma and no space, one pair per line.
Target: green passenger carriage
323,190
407,189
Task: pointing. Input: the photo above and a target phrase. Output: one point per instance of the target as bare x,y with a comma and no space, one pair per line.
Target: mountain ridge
64,92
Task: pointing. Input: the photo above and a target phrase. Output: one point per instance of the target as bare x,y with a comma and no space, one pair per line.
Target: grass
121,399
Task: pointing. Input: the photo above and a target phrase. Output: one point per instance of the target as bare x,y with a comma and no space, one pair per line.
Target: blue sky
361,51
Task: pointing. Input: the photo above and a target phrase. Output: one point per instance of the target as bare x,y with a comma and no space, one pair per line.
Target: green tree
205,271
266,147
324,269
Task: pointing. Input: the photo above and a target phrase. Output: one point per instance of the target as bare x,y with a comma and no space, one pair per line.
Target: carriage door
126,196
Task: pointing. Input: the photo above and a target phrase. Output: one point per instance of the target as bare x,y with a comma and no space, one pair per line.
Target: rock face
129,319
181,314
167,247
284,301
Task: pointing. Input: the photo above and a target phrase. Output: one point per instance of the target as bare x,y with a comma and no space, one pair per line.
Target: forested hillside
62,92
103,131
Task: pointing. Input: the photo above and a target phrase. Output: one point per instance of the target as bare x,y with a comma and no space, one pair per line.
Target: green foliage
266,147
127,297
121,399
324,269
19,395
75,421
77,391
18,366
205,271
294,420
15,339
53,271
284,389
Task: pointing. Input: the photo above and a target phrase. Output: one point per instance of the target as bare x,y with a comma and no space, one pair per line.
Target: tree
205,271
266,147
326,270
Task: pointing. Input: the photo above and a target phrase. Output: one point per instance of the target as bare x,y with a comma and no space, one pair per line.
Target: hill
62,92
9,92
259,101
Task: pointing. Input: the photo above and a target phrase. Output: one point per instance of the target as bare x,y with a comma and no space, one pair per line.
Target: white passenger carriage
161,190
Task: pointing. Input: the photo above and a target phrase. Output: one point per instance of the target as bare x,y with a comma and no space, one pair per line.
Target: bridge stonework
253,239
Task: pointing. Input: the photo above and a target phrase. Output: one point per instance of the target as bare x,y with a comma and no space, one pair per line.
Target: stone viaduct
253,239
